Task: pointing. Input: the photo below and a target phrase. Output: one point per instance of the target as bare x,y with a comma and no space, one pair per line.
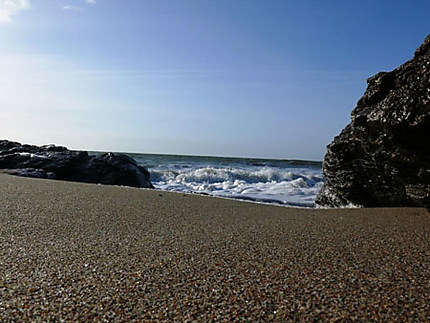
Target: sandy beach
81,252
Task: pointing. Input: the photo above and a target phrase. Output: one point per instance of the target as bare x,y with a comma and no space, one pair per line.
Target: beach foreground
82,252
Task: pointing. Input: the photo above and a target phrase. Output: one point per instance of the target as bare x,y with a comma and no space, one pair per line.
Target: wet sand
81,252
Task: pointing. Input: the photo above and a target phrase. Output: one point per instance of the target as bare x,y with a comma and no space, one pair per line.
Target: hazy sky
253,78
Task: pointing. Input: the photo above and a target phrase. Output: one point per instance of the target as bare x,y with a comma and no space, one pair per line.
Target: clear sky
253,78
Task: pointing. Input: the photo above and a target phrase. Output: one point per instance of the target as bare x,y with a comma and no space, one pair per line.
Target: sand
81,252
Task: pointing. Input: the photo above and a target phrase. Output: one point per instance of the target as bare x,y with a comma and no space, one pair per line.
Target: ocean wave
217,175
284,182
262,184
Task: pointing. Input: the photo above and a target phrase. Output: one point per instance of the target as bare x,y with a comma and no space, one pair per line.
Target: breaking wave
292,183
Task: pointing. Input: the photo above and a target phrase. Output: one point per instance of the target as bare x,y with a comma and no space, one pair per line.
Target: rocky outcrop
382,158
56,162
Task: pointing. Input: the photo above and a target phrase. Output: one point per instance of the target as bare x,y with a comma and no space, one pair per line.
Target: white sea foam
280,182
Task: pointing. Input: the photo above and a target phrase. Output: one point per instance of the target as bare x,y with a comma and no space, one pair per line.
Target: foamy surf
282,182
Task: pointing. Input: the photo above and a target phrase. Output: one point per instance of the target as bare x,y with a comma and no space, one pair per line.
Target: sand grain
79,252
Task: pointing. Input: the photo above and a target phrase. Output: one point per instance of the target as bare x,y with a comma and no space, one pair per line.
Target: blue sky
252,78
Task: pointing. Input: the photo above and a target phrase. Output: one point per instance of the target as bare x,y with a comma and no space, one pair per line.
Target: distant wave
216,174
282,182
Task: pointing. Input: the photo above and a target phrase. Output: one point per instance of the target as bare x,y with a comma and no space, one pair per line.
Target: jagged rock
56,162
118,169
382,158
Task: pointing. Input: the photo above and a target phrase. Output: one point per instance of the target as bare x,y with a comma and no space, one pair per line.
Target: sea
282,182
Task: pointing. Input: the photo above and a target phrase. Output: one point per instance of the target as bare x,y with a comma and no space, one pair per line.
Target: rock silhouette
382,158
56,162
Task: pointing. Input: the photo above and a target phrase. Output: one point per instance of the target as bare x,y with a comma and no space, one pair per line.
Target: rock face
382,158
57,162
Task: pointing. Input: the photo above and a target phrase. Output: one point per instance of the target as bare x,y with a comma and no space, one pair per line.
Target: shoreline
238,199
76,251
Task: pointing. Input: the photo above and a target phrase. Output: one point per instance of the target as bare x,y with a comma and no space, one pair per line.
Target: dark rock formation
382,158
57,162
